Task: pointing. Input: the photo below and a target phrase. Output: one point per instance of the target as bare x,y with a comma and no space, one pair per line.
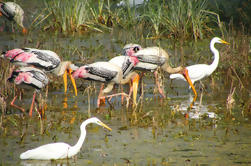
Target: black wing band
102,72
153,59
7,12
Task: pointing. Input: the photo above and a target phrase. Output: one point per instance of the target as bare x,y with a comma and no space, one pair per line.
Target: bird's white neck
76,148
215,63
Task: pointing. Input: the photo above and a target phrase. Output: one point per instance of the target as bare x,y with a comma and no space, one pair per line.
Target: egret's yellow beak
135,83
69,71
186,75
105,126
224,42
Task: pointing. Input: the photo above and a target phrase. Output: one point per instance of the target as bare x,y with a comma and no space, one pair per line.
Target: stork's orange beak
24,31
73,82
186,75
69,71
135,83
65,81
1,14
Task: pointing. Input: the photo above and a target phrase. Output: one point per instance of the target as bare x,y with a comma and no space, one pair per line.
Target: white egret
60,150
199,71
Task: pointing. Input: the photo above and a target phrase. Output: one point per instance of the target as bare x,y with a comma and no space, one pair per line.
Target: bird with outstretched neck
200,71
61,150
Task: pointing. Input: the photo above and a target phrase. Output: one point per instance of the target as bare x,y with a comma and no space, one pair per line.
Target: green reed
185,19
68,15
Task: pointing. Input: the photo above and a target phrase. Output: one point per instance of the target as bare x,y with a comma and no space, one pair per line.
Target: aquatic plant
184,19
68,15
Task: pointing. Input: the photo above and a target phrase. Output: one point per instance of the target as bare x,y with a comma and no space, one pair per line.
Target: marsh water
156,133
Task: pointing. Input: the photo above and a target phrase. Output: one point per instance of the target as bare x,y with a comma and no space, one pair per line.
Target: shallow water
156,134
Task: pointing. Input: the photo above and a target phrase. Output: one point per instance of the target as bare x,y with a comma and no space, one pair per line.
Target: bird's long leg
157,82
117,94
13,105
122,97
73,81
33,100
187,77
100,98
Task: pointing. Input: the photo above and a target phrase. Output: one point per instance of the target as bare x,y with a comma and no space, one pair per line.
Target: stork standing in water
44,59
13,12
127,65
28,77
152,58
110,73
200,71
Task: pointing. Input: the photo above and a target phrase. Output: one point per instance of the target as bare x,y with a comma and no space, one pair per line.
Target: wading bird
109,73
27,77
13,12
152,58
127,65
199,71
44,59
61,150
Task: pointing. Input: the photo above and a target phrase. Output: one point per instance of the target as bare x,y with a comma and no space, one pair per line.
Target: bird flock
33,65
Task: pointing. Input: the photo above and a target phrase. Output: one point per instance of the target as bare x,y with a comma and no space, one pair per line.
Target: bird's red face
132,50
134,60
80,72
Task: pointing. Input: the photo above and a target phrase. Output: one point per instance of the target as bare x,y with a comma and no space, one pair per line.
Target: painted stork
44,59
107,72
126,63
152,58
200,71
27,77
13,12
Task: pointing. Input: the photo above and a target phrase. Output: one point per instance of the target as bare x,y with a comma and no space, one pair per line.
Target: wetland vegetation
156,131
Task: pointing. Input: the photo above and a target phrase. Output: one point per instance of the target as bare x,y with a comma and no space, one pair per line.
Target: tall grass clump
129,15
67,15
154,16
185,19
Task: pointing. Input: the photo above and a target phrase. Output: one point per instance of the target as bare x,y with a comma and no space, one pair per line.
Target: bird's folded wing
153,59
102,72
7,11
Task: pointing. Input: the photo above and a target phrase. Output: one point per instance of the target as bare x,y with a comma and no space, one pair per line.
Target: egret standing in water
61,150
13,12
199,71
